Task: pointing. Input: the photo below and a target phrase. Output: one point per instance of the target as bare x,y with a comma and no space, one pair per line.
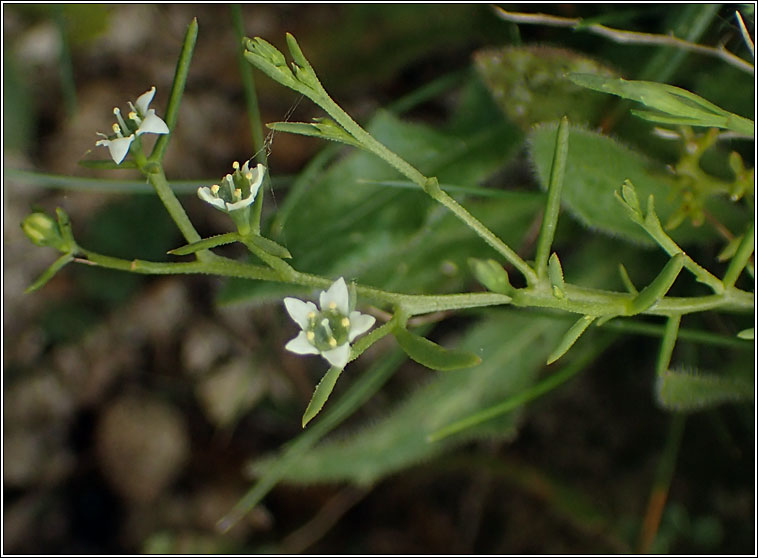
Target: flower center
328,329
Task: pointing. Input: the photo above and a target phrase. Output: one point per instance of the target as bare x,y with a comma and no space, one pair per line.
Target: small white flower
141,120
237,190
330,331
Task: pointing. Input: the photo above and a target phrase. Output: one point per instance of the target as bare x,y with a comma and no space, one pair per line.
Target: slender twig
628,37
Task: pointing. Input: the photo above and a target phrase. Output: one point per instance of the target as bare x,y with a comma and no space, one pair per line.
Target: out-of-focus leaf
513,348
530,86
597,166
680,390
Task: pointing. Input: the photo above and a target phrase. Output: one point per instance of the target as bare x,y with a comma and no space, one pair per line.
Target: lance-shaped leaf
571,336
324,128
265,244
50,272
555,274
321,394
748,334
671,105
658,288
680,390
432,355
627,280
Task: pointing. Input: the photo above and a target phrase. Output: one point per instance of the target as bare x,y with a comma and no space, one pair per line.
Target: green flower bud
43,230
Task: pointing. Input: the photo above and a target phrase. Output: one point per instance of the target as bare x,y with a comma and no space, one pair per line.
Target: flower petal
152,124
339,356
242,203
359,324
118,147
337,294
259,172
299,310
144,100
204,193
301,346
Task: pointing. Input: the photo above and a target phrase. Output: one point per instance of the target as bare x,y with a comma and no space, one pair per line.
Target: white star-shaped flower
237,190
141,120
330,330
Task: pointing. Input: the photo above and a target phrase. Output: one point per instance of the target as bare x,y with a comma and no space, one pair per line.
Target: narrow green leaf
571,336
627,280
658,288
205,244
691,391
748,334
324,128
49,272
432,355
590,182
555,274
741,257
674,105
268,245
177,89
321,394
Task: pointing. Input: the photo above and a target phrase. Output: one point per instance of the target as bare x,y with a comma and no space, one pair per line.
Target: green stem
653,227
579,300
174,208
429,185
488,236
553,206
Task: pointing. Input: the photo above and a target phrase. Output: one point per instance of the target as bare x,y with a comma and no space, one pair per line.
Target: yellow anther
116,110
238,194
249,175
236,165
332,342
332,305
311,315
310,336
117,128
214,189
345,322
133,115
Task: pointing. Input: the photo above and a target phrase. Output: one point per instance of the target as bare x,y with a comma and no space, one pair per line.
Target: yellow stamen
311,315
332,305
214,189
117,128
238,194
133,115
236,165
345,322
249,176
332,342
310,336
